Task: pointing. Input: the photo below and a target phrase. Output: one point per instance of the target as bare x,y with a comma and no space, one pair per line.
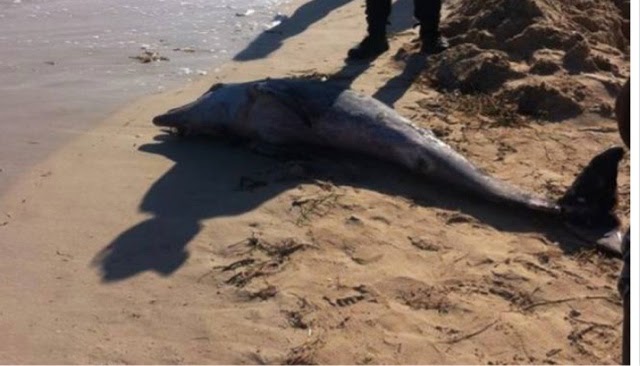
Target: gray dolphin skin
306,112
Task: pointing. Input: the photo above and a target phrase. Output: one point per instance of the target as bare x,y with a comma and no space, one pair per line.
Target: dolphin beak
177,117
169,119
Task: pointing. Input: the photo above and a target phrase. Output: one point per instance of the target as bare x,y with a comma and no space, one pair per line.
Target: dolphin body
306,112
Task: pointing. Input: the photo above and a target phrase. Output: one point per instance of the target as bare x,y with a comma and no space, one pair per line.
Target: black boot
375,43
428,14
370,47
433,45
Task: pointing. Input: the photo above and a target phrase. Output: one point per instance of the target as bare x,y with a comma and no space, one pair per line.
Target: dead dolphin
294,112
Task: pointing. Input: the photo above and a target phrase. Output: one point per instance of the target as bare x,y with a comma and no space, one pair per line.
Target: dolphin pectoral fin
284,96
607,241
588,205
592,198
611,242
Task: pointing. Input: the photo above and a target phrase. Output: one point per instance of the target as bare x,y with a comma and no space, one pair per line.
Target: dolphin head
212,113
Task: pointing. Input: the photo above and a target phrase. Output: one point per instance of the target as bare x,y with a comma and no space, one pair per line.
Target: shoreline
64,202
232,68
76,71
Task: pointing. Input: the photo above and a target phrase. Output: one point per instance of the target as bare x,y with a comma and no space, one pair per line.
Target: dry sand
129,246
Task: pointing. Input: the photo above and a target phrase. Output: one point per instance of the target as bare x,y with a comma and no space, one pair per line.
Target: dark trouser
626,332
426,11
624,284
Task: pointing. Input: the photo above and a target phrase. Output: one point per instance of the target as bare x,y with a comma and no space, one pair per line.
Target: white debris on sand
247,13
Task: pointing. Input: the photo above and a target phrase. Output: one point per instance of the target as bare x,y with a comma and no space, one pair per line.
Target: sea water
65,64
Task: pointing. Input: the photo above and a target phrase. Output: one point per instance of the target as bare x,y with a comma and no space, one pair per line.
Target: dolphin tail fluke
591,199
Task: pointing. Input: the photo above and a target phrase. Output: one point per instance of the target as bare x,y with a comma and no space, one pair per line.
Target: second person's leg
428,14
375,43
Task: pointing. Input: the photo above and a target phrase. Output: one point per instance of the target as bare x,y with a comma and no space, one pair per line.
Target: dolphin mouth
165,120
171,120
175,117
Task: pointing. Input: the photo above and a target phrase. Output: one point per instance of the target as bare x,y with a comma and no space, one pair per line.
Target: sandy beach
129,245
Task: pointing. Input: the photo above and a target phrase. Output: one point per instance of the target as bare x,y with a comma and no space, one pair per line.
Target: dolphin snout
177,117
168,119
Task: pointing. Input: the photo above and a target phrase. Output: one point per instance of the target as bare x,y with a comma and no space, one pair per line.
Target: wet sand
65,65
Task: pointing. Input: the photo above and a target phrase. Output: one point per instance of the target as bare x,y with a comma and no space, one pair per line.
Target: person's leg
378,12
622,113
375,43
624,284
626,336
428,14
623,104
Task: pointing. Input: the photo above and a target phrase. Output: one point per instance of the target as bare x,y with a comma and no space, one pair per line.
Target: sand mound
524,49
546,101
471,69
524,26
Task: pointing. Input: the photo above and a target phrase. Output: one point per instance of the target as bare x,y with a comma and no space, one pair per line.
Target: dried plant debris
304,354
262,294
314,206
270,259
149,56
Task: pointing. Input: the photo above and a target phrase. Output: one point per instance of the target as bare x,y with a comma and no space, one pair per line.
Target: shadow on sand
396,87
205,180
271,40
311,12
401,19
